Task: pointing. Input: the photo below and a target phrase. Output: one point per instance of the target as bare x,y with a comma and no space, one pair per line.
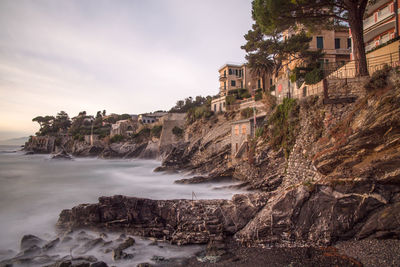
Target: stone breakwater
178,221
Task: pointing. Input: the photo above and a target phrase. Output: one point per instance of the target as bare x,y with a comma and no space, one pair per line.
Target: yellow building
336,46
237,76
381,23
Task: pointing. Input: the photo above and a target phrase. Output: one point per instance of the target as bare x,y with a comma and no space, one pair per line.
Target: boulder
28,241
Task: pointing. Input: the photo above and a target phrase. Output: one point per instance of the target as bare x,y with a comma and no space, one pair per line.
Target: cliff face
341,179
343,175
206,148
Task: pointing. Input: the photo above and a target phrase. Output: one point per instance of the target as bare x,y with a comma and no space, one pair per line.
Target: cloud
122,56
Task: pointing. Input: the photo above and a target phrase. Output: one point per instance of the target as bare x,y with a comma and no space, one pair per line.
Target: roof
261,116
230,64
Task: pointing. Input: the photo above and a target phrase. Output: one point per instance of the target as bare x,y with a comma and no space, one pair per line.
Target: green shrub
272,88
246,113
156,131
259,132
244,95
116,138
258,96
314,76
177,131
198,113
230,99
284,125
378,79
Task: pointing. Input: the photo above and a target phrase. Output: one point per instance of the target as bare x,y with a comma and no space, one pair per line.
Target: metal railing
336,74
339,71
381,15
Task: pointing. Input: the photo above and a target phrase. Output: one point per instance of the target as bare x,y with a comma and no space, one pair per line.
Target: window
220,106
224,85
337,43
237,130
348,43
224,73
230,71
270,82
240,73
259,83
233,83
320,42
236,72
244,130
237,147
215,107
241,84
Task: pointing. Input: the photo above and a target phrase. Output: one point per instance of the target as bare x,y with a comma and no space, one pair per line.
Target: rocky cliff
338,178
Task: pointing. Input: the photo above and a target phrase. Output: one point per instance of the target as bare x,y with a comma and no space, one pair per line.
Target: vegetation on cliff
283,126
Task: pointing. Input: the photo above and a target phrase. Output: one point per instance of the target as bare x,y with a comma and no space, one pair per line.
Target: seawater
34,189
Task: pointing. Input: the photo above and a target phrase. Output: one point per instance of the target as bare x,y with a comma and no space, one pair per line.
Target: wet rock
66,263
159,259
118,253
62,155
32,251
103,235
202,179
99,264
180,221
153,243
66,239
215,248
86,258
89,245
51,244
28,241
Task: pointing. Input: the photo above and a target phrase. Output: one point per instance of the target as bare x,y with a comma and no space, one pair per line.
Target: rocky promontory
333,176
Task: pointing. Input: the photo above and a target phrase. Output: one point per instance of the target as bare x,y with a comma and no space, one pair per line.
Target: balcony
374,44
381,15
222,77
343,51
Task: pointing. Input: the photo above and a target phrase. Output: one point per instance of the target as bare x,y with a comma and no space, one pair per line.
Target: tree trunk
356,14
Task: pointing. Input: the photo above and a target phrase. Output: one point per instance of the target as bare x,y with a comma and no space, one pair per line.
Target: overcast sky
122,56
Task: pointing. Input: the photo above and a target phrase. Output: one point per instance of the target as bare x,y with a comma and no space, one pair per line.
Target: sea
34,189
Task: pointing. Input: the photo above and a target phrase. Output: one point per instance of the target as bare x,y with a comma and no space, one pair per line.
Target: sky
124,56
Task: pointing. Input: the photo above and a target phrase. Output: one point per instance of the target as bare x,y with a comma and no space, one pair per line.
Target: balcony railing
374,44
382,14
343,51
369,47
222,77
368,22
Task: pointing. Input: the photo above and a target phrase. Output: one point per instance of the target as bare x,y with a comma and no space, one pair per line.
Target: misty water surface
34,189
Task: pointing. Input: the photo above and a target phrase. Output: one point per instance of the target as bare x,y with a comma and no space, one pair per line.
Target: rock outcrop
340,181
179,221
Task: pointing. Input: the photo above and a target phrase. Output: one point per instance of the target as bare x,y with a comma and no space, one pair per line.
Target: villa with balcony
235,77
381,23
336,46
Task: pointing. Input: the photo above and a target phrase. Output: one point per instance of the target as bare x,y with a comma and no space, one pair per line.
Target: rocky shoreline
337,185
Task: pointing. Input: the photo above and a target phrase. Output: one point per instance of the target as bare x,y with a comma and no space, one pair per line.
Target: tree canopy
266,51
278,15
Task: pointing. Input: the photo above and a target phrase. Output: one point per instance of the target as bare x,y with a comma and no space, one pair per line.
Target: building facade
124,128
234,77
381,23
151,117
336,46
241,133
